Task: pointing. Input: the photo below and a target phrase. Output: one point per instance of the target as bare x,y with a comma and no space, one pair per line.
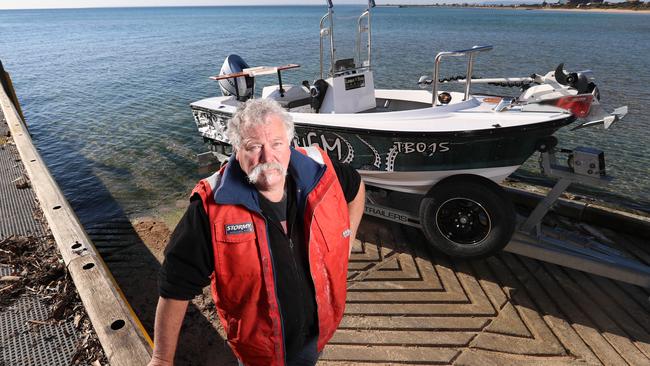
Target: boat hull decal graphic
423,153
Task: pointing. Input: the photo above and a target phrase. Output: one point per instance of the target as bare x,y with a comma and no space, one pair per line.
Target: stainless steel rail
471,53
364,29
324,32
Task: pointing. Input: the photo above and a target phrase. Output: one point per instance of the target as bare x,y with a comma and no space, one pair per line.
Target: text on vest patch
246,227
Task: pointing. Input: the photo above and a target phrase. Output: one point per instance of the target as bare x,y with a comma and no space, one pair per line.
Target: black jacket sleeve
349,179
188,262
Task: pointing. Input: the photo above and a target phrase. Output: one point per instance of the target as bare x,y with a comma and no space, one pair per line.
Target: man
272,231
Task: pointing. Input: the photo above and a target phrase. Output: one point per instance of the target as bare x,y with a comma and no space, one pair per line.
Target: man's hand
169,318
155,361
355,210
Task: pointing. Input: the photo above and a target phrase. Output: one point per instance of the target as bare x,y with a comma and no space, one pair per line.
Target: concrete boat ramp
406,304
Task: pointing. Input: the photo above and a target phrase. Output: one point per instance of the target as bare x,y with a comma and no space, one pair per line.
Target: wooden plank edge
75,245
5,80
123,344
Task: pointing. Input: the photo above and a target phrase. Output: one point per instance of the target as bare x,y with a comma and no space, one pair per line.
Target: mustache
254,175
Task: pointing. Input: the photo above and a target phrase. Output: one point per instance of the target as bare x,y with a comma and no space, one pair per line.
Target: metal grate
25,343
17,206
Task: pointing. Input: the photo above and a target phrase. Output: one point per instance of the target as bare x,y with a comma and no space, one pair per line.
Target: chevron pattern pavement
409,306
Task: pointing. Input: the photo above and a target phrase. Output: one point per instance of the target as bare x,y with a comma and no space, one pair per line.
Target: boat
451,148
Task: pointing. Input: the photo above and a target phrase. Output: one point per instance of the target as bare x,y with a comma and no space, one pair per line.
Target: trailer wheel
467,218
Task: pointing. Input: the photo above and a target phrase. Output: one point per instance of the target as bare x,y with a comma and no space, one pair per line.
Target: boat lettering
313,139
355,82
421,147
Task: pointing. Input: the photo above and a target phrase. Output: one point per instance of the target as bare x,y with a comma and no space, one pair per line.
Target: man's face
264,154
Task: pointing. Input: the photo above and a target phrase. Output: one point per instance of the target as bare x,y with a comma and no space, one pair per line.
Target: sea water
106,92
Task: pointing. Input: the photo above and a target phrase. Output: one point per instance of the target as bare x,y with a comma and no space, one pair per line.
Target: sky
50,4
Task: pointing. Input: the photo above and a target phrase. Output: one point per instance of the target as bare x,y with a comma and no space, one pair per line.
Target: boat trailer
553,245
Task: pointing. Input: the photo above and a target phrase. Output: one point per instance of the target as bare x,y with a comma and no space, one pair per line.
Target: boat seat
288,104
294,96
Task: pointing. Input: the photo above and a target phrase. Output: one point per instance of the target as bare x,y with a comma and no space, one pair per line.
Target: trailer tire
467,218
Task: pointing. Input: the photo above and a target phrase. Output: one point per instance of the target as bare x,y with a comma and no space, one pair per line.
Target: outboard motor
241,87
582,81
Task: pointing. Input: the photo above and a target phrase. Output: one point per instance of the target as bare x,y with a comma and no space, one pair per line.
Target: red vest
243,284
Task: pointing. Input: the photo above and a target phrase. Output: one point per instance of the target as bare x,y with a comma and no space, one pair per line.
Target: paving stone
408,307
625,303
404,296
475,303
632,327
583,325
636,312
524,304
554,316
612,330
421,355
473,357
489,284
384,337
640,296
396,285
479,303
445,275
407,270
420,309
361,363
508,322
410,322
426,278
634,246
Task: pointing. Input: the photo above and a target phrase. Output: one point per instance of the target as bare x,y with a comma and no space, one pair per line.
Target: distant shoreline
507,7
570,10
597,10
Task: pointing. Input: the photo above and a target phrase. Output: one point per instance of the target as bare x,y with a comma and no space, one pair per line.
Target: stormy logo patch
246,227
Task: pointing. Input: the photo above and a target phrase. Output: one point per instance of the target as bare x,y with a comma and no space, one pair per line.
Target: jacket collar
234,188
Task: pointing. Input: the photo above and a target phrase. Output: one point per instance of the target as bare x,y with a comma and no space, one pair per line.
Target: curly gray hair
254,113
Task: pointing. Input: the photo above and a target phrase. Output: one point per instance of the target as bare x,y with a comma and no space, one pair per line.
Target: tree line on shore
559,4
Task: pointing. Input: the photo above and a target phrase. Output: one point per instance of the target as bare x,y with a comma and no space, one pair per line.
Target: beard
257,171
